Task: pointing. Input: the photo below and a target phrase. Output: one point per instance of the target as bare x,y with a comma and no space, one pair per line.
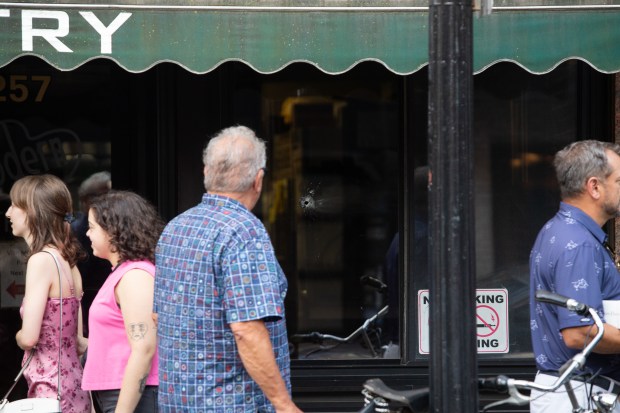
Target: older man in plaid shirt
219,293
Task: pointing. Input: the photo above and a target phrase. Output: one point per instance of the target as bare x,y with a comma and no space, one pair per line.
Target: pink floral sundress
42,373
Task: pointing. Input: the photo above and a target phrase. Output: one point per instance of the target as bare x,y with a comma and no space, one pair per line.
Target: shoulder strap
60,338
5,400
61,270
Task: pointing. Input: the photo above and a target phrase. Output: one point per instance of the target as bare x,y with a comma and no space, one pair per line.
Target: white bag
38,404
34,405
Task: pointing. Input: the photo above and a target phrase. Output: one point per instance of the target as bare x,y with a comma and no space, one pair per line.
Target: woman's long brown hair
48,204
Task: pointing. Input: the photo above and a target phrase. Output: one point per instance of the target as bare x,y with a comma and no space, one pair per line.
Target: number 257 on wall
19,88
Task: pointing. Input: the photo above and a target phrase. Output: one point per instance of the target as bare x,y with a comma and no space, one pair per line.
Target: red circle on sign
482,323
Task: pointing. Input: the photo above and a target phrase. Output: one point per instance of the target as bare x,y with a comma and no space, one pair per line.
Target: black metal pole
453,357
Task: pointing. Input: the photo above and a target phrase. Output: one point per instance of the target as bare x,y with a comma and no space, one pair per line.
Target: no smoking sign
491,321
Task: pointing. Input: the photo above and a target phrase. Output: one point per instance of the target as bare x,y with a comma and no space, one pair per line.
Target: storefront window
46,126
346,153
60,123
339,149
330,199
521,120
330,205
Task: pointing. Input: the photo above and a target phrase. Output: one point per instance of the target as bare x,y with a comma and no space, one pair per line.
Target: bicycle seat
417,400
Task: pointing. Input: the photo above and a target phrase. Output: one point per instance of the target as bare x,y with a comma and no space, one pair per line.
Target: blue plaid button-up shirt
215,265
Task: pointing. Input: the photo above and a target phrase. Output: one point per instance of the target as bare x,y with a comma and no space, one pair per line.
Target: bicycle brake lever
516,399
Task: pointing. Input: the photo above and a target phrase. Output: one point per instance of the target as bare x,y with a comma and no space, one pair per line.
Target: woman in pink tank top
121,367
40,213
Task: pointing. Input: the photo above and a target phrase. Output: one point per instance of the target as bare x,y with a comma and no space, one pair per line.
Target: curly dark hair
133,224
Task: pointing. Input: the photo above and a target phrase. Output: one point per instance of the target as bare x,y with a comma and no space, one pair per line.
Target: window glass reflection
330,205
520,121
51,122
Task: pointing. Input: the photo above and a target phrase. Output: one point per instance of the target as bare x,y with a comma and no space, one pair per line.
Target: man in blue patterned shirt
219,293
569,257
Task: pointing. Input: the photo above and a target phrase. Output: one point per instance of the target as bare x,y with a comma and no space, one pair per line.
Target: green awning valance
268,38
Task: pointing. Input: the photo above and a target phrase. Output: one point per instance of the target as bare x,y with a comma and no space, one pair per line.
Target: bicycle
378,397
368,331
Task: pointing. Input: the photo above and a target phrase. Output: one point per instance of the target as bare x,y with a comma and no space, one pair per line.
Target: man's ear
593,185
258,181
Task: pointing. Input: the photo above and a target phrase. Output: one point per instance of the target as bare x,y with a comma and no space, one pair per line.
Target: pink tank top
108,348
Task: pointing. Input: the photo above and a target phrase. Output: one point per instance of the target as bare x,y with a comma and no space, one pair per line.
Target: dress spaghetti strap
63,273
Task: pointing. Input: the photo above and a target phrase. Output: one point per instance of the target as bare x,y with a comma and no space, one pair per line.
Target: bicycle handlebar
498,384
373,282
559,300
512,386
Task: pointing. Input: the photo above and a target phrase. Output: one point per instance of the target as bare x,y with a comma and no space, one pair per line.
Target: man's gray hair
579,161
232,159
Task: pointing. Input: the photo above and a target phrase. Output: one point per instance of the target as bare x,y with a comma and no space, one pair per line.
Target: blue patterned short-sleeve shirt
215,265
569,258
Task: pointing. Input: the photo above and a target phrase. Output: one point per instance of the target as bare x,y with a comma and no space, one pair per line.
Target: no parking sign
491,321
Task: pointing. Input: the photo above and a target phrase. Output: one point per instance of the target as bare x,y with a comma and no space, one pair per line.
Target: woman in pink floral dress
40,213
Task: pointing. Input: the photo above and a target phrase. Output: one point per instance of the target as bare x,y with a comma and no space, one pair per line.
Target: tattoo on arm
142,384
137,331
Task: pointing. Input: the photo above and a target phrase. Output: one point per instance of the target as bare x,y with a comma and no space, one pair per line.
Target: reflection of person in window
94,270
421,180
